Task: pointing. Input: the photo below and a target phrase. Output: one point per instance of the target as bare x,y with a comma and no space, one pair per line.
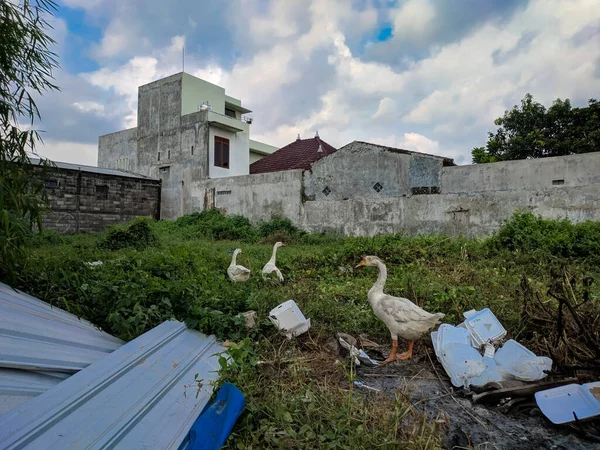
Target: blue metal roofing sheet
143,395
19,386
36,336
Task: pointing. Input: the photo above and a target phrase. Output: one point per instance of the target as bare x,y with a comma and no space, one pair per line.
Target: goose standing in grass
402,317
270,267
235,271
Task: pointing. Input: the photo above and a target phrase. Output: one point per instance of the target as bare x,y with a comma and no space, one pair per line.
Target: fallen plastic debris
213,427
360,384
349,343
458,350
289,319
95,263
250,318
569,403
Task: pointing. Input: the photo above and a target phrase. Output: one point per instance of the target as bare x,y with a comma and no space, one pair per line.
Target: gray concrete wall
118,150
83,202
532,174
362,170
452,214
254,196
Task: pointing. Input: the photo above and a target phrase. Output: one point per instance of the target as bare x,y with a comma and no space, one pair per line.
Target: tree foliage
532,131
26,65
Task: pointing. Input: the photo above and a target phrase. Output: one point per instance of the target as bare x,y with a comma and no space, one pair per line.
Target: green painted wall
195,91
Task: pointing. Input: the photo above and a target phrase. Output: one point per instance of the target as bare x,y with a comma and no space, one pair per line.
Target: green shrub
278,229
136,234
545,238
213,224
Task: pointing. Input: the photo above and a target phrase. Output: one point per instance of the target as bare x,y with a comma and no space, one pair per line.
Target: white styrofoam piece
589,386
288,318
447,334
484,327
461,362
491,373
561,404
521,362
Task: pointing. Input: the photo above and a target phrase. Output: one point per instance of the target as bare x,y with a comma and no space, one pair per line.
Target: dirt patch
467,425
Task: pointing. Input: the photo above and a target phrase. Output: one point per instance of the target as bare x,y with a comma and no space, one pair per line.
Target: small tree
532,131
26,65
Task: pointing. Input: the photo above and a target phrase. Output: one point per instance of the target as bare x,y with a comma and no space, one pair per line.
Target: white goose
235,271
270,267
402,317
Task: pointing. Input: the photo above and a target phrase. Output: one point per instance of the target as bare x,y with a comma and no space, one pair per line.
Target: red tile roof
300,154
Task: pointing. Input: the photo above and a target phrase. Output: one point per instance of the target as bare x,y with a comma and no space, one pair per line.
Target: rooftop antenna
298,138
183,58
317,134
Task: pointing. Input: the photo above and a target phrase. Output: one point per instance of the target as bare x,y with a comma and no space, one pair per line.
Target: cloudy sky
427,75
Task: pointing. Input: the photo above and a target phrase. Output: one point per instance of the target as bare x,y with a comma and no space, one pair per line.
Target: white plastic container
289,319
462,363
521,362
561,403
484,327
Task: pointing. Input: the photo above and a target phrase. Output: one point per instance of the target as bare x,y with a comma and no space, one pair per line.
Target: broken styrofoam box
565,404
288,318
462,362
484,326
521,362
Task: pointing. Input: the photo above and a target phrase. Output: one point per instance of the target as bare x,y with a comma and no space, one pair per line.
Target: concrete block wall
255,196
362,170
118,150
88,202
529,174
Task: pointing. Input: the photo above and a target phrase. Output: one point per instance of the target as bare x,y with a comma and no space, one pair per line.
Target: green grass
155,271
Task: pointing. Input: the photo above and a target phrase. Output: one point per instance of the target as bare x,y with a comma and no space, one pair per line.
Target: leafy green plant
136,234
26,65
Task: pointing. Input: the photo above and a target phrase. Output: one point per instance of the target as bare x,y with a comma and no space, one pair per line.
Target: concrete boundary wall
452,214
531,174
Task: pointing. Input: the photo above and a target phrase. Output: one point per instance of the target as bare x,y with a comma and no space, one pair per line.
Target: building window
101,192
169,154
221,152
558,182
51,184
230,112
159,156
192,149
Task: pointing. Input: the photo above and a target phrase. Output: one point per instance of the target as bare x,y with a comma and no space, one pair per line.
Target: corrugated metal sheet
41,345
142,395
94,169
20,386
36,336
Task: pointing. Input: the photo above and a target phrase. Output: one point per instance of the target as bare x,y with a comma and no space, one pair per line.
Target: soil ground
468,425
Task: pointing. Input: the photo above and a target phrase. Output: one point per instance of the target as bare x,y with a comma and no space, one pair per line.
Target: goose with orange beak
401,316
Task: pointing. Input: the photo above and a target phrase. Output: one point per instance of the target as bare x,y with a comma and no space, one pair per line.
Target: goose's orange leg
392,356
407,354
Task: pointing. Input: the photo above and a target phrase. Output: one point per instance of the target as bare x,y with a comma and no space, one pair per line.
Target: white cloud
90,107
302,68
64,151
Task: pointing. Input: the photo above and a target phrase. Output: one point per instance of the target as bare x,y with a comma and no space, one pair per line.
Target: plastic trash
521,362
484,327
458,350
289,319
213,427
95,263
249,318
564,403
349,343
462,363
360,384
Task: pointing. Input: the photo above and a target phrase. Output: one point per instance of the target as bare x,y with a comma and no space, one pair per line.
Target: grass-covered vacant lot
297,396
